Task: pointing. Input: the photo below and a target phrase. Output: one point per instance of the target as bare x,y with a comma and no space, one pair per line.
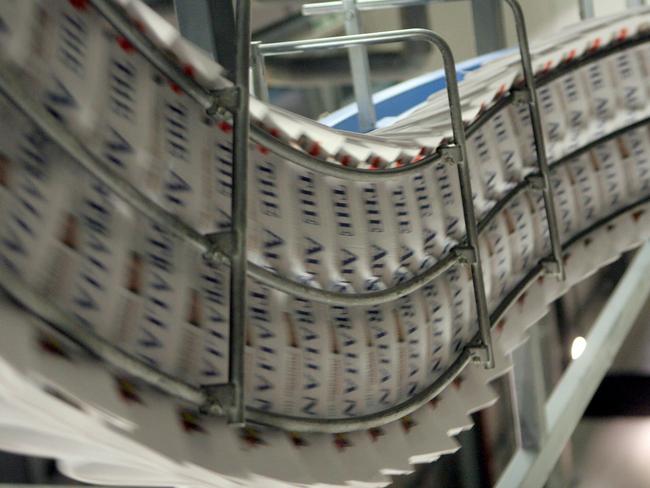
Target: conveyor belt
376,221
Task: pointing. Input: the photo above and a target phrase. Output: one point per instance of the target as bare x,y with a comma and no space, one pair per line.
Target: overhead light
578,347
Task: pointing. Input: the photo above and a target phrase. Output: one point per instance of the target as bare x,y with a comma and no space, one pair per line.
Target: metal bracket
466,255
226,98
220,249
537,182
218,399
520,97
480,354
451,154
551,267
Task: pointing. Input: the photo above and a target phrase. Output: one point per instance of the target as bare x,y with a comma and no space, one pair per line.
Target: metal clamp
537,182
226,98
520,97
451,154
465,255
478,351
220,247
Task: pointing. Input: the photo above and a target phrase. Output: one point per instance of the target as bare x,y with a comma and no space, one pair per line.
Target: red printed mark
79,4
224,127
125,44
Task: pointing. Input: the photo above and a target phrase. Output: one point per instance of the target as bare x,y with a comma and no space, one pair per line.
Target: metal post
530,390
360,68
238,259
337,6
210,24
258,65
586,9
556,265
489,33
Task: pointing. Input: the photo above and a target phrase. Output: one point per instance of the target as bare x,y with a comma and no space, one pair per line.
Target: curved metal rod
361,299
72,328
112,14
482,346
80,334
238,259
538,136
326,168
374,420
68,325
210,101
11,88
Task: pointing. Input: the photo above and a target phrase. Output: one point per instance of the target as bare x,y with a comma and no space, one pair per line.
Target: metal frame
529,96
117,358
238,259
453,153
211,26
218,247
538,135
360,68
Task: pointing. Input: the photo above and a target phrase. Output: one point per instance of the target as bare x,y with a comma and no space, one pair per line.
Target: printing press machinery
201,288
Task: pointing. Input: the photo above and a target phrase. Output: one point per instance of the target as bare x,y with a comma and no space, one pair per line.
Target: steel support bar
586,9
258,65
238,258
538,134
564,408
489,32
210,24
209,102
360,68
321,8
484,346
530,390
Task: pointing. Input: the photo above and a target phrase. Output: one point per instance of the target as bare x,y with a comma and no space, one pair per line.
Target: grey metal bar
11,86
238,258
360,69
351,424
538,134
321,8
71,327
489,32
586,9
210,24
207,101
366,299
258,65
483,346
530,390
